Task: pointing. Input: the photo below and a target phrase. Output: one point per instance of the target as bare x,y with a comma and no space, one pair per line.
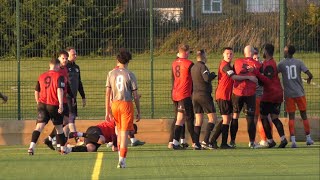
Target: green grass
158,162
94,70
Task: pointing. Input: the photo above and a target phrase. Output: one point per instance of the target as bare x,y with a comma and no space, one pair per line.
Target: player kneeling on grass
95,136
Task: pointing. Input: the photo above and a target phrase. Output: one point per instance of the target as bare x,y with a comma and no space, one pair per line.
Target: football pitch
93,74
158,162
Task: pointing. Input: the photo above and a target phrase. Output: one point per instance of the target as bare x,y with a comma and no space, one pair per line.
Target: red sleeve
262,78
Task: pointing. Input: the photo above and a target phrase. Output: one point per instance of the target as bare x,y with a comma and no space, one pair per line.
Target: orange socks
291,127
123,152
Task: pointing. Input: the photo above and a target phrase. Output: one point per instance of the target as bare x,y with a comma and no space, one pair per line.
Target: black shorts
225,106
65,109
43,114
46,112
239,101
267,108
203,103
184,106
73,109
93,131
56,118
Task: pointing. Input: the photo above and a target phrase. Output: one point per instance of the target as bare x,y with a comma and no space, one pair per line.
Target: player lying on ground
95,136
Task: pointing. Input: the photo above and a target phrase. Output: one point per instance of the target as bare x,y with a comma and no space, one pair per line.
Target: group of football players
248,84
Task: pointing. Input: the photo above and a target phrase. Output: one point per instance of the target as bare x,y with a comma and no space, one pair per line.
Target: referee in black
202,99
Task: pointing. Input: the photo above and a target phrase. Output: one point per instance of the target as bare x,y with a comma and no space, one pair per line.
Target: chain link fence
33,31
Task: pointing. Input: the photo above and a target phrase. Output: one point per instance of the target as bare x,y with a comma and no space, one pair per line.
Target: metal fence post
283,37
151,56
283,21
18,56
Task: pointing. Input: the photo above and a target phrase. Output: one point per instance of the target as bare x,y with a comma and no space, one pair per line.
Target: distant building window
211,6
259,6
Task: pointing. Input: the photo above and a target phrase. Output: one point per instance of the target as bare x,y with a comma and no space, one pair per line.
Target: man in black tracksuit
76,85
202,99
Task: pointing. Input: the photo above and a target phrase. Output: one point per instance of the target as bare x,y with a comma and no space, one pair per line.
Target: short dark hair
124,56
63,52
269,48
227,48
291,49
256,50
54,61
200,52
